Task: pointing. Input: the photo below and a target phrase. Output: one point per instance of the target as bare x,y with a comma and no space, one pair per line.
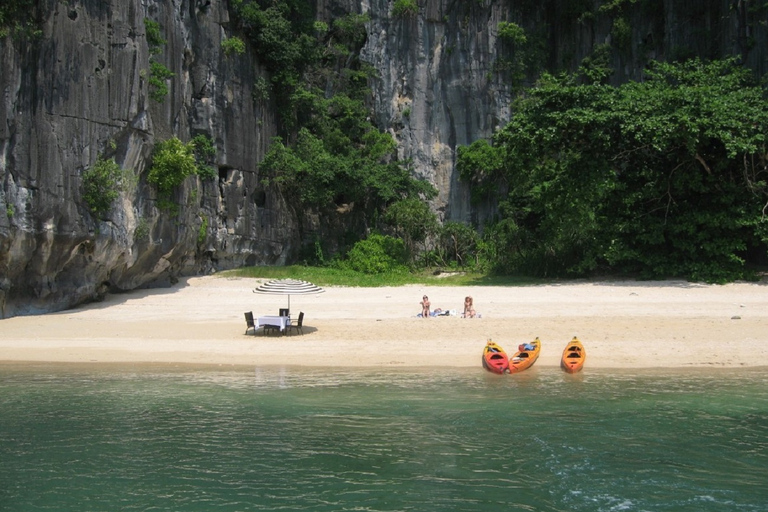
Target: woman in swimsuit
469,308
425,306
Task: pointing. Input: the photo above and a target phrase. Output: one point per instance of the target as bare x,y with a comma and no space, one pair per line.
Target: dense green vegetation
330,159
661,178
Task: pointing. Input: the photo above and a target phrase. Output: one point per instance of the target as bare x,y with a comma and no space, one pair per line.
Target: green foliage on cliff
172,162
155,39
204,153
342,168
17,17
512,32
596,68
102,183
233,45
158,73
405,8
158,76
612,6
330,158
202,232
662,178
519,54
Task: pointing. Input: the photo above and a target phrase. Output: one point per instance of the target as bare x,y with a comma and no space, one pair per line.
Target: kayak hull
526,355
495,360
573,357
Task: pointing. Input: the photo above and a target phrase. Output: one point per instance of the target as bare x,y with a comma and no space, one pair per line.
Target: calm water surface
126,438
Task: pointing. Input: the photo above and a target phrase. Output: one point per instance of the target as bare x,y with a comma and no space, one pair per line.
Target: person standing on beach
425,305
469,307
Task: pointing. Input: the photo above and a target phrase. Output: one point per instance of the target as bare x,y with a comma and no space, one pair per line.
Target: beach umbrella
288,287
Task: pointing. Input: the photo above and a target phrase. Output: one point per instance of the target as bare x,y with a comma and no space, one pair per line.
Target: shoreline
623,324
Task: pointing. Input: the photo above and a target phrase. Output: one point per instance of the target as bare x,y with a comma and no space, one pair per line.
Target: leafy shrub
596,68
158,74
261,89
101,185
172,162
233,45
204,153
413,220
203,231
458,244
512,32
405,8
141,232
204,147
378,254
622,34
154,38
351,28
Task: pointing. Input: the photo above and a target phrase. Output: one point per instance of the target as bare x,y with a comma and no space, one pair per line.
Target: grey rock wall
81,92
436,89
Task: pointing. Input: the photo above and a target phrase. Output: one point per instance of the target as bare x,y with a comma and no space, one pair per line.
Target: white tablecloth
279,321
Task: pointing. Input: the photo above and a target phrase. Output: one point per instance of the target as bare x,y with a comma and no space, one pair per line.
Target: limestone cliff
81,91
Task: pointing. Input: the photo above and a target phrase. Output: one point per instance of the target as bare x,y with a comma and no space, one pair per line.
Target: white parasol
288,287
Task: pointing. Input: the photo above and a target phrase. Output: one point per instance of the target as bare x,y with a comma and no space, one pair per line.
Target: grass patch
325,276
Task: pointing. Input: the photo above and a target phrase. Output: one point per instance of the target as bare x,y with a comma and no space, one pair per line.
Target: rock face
82,92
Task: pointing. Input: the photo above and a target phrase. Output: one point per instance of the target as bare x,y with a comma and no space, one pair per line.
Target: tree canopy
665,177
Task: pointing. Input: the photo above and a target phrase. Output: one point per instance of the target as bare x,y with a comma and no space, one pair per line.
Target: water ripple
296,439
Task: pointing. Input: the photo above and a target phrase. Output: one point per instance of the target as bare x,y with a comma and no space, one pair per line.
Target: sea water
121,438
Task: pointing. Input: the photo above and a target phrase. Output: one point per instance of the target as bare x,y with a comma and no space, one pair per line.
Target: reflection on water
152,438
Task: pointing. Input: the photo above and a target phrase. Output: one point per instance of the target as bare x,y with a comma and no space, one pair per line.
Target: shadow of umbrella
288,287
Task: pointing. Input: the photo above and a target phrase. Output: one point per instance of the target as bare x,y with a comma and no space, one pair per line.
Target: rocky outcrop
81,91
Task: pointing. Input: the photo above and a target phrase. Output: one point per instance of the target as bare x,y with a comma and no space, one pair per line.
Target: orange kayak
495,359
574,356
526,355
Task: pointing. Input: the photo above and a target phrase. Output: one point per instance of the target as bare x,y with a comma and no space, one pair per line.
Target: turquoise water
149,439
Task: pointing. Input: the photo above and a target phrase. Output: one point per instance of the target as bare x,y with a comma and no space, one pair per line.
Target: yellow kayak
526,355
574,356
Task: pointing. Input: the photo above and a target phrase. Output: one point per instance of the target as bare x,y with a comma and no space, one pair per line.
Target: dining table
278,321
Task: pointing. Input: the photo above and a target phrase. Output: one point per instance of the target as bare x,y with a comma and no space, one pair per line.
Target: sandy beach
200,321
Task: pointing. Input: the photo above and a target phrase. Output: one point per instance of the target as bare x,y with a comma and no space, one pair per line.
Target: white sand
622,324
